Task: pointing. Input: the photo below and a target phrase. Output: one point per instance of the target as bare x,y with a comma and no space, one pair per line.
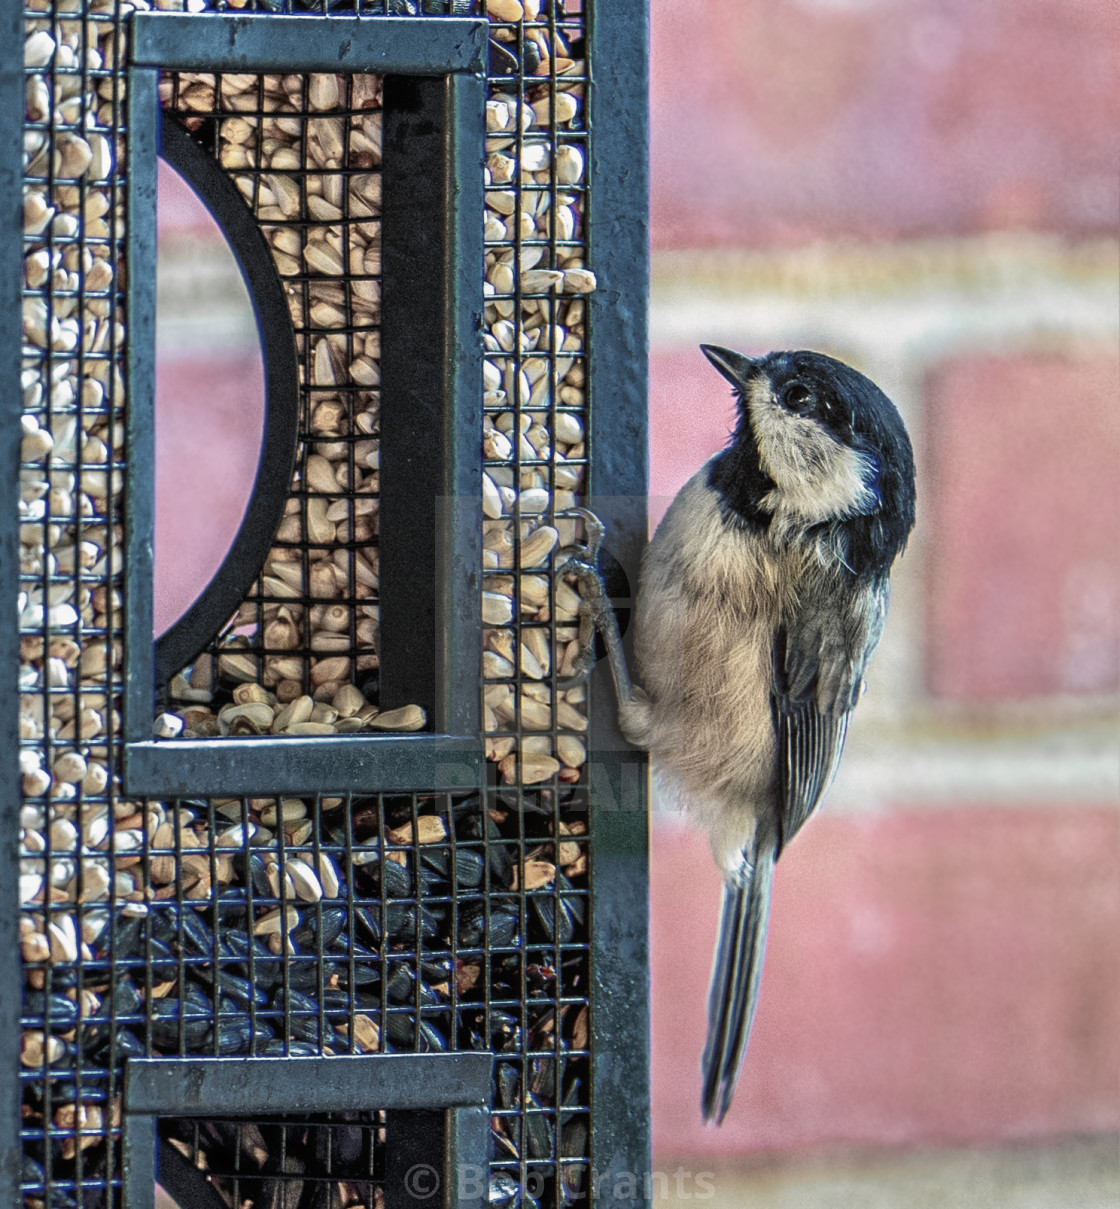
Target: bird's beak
734,366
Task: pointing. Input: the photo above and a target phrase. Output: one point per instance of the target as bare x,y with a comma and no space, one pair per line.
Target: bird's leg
595,612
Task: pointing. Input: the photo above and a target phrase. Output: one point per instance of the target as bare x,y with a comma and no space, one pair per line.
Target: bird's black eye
798,397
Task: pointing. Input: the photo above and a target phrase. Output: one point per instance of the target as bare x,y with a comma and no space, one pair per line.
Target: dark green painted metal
138,1163
466,1143
266,42
616,220
139,519
12,103
299,764
193,1087
431,476
460,551
432,283
618,223
444,1099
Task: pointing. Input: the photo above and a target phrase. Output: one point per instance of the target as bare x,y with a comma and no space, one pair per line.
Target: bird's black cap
734,366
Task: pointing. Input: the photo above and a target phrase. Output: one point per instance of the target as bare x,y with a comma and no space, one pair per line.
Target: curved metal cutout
279,441
186,1184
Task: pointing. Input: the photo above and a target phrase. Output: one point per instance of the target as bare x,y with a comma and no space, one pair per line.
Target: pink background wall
777,121
209,416
1023,501
948,978
942,973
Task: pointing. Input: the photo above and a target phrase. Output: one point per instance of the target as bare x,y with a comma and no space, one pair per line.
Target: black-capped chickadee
763,596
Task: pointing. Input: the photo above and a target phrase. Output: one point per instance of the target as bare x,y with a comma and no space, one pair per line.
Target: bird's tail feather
735,979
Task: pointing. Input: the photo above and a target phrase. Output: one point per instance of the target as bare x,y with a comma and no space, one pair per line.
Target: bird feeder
333,894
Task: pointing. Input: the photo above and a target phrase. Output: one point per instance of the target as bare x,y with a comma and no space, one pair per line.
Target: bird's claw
595,610
582,562
585,557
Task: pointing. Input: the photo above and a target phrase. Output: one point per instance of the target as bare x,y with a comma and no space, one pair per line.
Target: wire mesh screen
299,656
327,1160
272,924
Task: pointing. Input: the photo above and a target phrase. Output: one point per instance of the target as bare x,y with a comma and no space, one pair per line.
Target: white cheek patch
816,478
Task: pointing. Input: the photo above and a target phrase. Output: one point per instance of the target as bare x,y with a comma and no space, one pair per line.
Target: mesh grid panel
305,153
329,1160
336,922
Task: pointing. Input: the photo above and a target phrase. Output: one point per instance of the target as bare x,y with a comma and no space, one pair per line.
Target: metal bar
460,553
266,42
142,149
413,395
194,1087
138,1162
430,505
619,233
12,109
431,256
465,1146
298,764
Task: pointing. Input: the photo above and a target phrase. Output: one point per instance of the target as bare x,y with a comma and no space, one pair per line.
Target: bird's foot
584,559
595,611
582,562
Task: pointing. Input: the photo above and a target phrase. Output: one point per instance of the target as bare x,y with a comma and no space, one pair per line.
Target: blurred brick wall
1024,502
776,121
929,188
935,978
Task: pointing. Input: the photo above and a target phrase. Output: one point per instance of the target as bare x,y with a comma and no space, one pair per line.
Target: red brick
1020,508
787,120
932,978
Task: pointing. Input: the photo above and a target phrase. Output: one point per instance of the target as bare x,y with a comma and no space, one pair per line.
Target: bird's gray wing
809,746
819,659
